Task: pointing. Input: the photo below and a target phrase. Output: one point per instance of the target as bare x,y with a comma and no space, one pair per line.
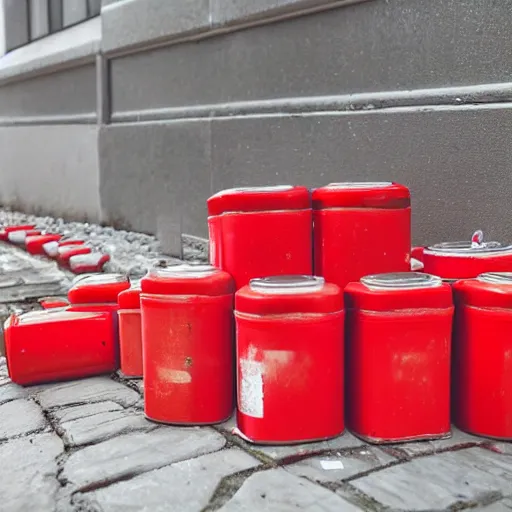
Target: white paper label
251,388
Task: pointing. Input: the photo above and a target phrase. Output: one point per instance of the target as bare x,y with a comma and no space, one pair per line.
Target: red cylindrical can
466,260
187,344
130,332
482,355
53,302
261,231
361,229
45,346
34,244
65,252
398,357
290,360
4,232
87,263
19,236
51,249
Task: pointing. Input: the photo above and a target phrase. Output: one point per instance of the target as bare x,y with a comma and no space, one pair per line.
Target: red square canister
398,337
130,332
289,360
482,355
261,231
187,344
34,244
360,229
4,232
52,345
466,260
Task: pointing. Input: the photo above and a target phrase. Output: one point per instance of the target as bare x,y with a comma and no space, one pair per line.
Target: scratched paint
174,376
251,387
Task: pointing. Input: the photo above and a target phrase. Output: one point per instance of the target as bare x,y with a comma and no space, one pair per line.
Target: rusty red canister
19,236
482,355
34,244
261,231
398,336
54,345
290,360
187,344
4,232
465,260
130,332
360,229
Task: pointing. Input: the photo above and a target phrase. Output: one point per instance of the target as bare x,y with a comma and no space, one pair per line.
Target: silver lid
291,284
475,247
360,184
401,281
99,279
496,278
184,271
254,190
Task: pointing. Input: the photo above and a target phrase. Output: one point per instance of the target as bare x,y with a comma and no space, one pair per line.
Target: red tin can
261,231
466,260
19,236
53,345
53,302
361,229
87,263
4,232
398,357
290,360
482,355
65,252
34,244
51,249
130,332
187,344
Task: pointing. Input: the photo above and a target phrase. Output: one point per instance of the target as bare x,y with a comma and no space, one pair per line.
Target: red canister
34,244
51,249
87,263
482,355
361,229
65,252
187,344
130,333
45,346
4,232
261,231
290,360
19,236
398,357
466,260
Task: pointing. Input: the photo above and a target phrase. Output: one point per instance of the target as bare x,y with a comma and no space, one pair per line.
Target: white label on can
251,388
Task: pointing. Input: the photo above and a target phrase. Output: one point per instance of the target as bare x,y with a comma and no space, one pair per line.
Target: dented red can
482,355
34,243
360,229
398,357
54,345
289,360
187,344
4,232
261,231
130,332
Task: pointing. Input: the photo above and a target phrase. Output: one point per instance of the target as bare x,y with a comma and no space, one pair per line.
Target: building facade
133,112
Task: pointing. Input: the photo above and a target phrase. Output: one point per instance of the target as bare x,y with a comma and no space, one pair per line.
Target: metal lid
401,281
360,184
501,278
254,190
281,285
100,279
183,271
475,247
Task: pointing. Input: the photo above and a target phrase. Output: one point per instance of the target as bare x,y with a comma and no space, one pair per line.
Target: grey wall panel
457,162
15,23
369,46
51,169
72,91
156,173
39,18
73,11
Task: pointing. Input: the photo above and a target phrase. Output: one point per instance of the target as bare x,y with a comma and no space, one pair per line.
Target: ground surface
86,446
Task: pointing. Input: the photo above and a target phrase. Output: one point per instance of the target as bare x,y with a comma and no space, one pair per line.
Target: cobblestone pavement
86,446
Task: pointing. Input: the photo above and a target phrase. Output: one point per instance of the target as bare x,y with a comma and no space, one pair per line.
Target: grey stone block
278,490
500,447
96,389
500,506
188,485
84,411
468,475
336,468
28,473
20,417
132,454
9,391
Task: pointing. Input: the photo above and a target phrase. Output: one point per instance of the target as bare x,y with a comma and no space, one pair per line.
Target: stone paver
102,426
10,391
185,486
132,454
28,473
96,389
335,468
501,447
504,505
277,490
20,417
83,411
466,475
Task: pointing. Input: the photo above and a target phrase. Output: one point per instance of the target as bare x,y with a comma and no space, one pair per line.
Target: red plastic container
34,244
55,345
261,231
482,356
19,236
87,263
290,360
130,332
187,343
67,251
361,229
51,249
4,232
398,357
465,260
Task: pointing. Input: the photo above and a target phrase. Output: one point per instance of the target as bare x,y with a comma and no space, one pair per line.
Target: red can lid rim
401,281
287,284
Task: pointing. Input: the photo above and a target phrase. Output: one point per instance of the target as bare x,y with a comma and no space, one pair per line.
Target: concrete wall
195,96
